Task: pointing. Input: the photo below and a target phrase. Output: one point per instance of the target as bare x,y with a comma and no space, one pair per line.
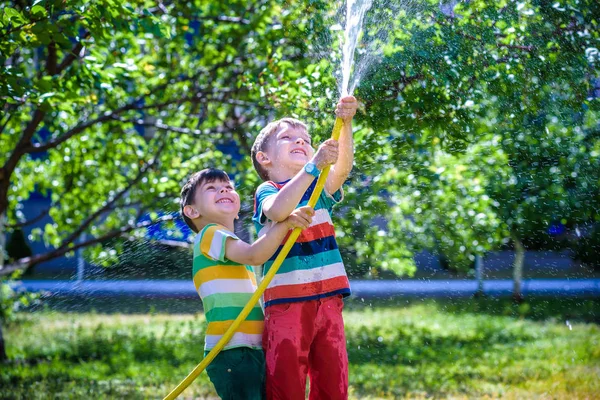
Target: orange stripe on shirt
222,272
220,327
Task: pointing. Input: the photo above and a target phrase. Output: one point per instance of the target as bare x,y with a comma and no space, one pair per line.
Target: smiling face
287,151
214,201
217,199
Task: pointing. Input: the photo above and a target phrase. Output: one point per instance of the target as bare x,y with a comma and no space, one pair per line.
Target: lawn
419,349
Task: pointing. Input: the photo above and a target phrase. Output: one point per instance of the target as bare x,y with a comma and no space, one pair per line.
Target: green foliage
420,349
478,129
12,301
108,106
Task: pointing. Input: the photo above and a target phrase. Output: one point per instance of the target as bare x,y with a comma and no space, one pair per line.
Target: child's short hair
260,144
188,191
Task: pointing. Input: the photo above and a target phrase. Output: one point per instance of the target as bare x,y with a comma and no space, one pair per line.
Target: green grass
418,350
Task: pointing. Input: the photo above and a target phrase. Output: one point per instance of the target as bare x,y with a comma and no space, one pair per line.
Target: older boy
225,280
304,328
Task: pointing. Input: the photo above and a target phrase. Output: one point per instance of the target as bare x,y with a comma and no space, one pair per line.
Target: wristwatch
312,169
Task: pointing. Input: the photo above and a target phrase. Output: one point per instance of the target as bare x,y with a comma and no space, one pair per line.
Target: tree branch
8,118
35,148
73,54
22,145
31,221
158,125
28,262
40,147
83,226
52,58
113,115
19,27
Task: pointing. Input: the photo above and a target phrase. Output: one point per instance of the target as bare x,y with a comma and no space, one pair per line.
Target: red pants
302,338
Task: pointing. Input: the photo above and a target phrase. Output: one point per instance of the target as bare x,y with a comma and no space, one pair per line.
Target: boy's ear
191,212
263,158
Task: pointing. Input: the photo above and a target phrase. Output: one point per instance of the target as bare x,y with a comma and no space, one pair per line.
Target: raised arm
279,206
346,109
265,246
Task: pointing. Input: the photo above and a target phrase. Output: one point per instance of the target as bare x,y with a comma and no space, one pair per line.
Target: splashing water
355,14
366,31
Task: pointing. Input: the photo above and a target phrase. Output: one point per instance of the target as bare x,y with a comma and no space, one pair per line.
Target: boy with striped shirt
225,280
304,328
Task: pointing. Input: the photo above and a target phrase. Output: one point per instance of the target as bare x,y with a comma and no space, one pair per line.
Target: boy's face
216,200
290,148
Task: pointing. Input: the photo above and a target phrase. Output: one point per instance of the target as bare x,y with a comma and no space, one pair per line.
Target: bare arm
279,206
264,247
346,109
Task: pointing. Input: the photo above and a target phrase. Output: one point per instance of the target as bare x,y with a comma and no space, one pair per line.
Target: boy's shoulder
265,190
210,241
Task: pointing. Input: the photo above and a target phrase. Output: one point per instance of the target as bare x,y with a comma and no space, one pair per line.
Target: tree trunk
2,238
3,356
518,270
479,275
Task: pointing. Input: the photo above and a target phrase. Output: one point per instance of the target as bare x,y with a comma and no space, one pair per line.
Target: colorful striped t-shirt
225,287
313,268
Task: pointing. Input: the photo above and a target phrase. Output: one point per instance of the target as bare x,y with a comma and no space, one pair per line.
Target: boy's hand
346,108
327,154
300,218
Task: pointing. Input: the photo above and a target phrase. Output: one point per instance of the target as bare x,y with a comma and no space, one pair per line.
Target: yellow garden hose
312,202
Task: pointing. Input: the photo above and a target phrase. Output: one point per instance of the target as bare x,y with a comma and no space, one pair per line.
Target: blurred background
470,227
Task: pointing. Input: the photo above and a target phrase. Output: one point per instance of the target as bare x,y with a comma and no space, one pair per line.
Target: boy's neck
226,222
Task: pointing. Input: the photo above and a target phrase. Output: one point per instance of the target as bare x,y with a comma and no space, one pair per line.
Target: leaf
13,15
38,11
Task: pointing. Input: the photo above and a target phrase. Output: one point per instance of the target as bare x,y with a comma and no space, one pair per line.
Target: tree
108,106
517,74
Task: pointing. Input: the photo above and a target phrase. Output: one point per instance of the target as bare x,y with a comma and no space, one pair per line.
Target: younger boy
225,280
304,328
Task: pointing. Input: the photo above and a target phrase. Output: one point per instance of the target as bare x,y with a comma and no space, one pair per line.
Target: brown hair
188,191
260,144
